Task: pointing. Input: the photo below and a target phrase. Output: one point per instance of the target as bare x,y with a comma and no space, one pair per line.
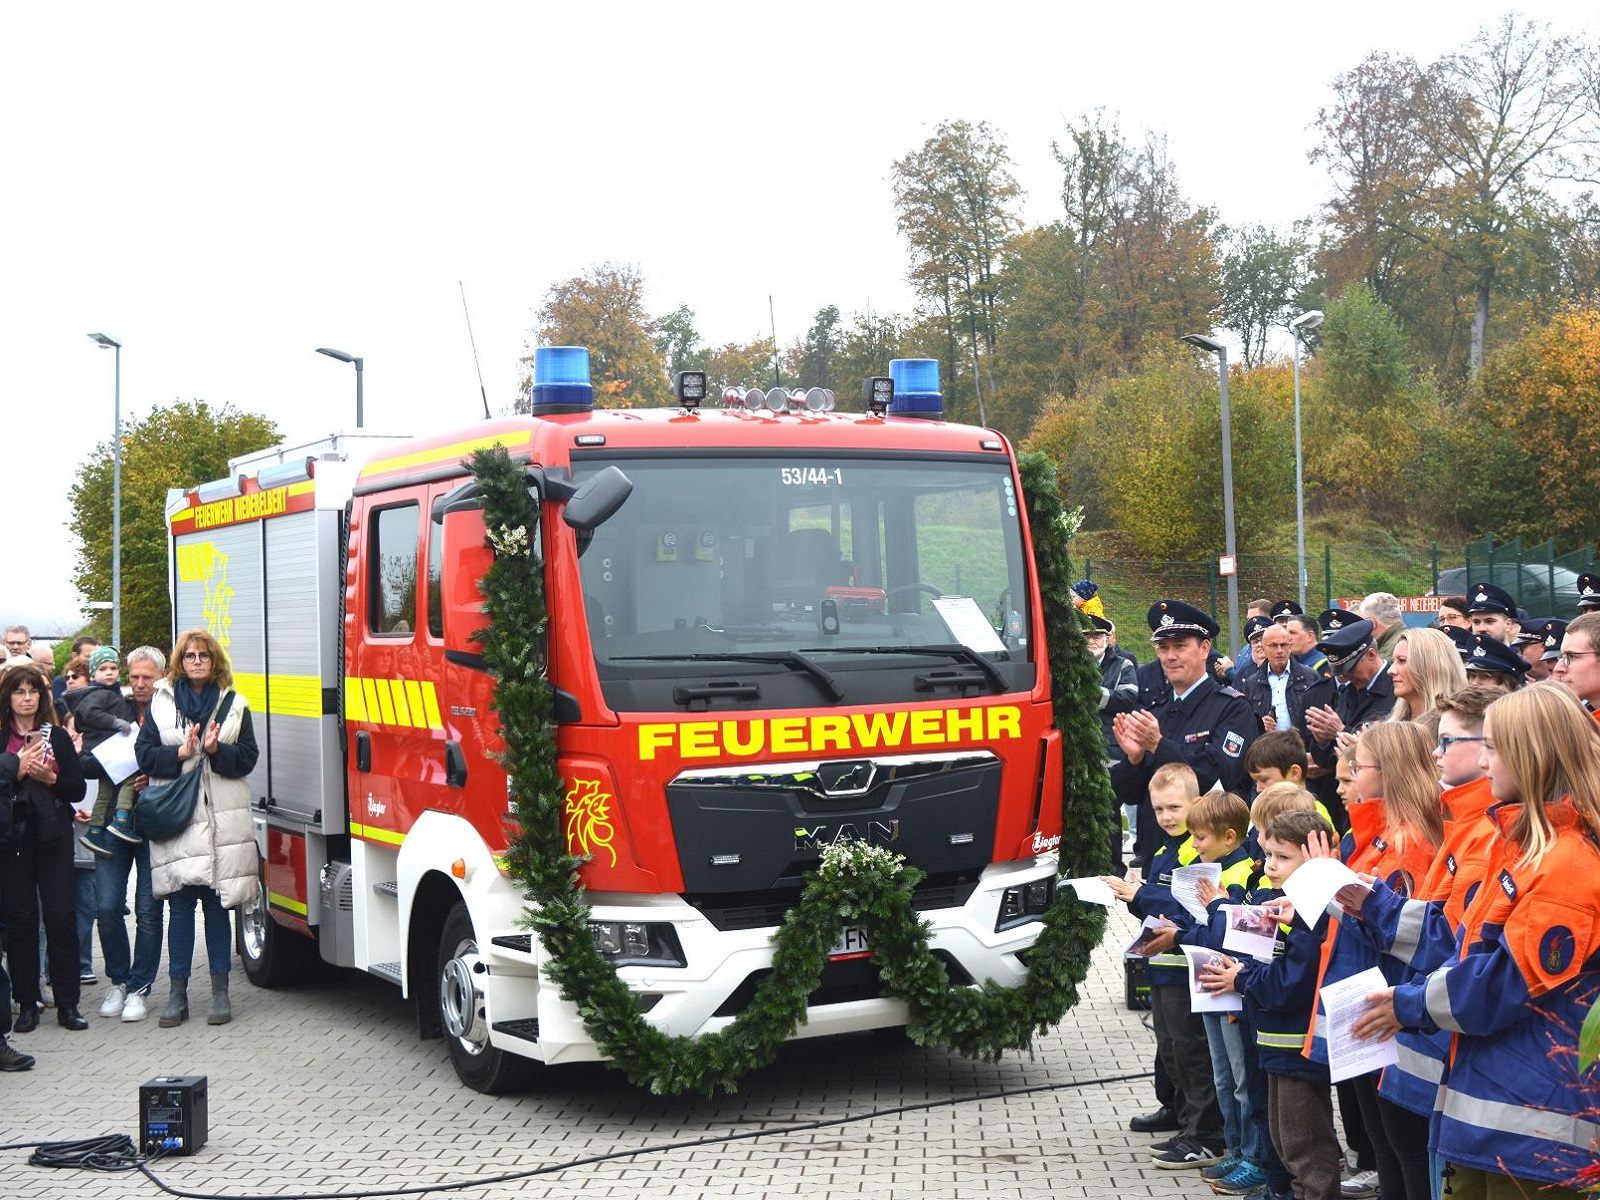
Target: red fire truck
773,626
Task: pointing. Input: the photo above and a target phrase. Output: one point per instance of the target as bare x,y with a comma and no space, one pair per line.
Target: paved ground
326,1089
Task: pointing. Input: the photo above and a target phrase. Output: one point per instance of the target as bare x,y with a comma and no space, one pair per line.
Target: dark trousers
5,992
1355,1131
39,878
1181,1041
1396,1180
1407,1135
1300,1115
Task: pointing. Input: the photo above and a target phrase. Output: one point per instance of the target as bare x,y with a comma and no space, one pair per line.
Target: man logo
873,833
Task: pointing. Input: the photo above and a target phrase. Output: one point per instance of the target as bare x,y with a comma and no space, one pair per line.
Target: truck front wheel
273,957
463,1012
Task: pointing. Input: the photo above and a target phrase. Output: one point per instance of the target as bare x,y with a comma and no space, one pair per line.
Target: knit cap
101,656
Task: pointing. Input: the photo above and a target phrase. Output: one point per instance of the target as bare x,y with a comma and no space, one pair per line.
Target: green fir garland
855,884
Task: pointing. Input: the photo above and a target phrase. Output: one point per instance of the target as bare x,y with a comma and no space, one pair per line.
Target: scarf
195,707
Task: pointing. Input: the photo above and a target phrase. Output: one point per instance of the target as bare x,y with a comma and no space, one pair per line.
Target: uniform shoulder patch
1233,743
1556,949
1227,690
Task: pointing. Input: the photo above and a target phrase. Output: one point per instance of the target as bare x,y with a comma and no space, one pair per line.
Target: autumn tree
813,362
1130,262
954,202
1451,161
676,340
179,445
1262,276
604,310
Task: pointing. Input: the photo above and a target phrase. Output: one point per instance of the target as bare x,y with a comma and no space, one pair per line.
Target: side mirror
597,500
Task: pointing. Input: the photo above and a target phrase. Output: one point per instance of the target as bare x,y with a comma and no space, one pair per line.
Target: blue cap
1551,632
1256,626
916,388
1344,647
1491,654
1331,620
1174,618
561,380
1489,597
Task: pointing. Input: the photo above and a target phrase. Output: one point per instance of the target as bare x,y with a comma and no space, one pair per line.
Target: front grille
842,982
765,910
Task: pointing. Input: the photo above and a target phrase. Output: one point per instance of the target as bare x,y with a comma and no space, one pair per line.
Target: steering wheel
925,588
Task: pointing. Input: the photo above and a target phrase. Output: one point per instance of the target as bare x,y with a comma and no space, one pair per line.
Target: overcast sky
224,188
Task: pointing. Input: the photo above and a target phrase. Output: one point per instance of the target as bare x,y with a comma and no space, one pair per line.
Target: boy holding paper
1280,1003
1180,1034
1218,823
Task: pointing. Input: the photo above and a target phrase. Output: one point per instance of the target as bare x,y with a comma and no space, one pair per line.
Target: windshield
839,559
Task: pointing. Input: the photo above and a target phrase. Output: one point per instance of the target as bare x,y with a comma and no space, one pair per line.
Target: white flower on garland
854,858
509,542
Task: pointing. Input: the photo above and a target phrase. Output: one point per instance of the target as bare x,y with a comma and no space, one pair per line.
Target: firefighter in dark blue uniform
1192,718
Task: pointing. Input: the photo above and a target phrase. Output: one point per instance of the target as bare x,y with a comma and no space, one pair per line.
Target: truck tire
273,956
462,1013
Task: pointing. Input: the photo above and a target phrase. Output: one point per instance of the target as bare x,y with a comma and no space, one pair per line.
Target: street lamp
1212,346
105,342
1305,321
349,358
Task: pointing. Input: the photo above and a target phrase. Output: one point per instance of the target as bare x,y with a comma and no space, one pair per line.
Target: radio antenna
777,371
473,342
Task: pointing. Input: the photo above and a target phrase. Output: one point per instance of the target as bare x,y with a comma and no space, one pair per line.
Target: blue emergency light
561,381
916,388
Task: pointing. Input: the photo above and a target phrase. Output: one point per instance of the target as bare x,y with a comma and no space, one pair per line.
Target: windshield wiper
788,658
991,673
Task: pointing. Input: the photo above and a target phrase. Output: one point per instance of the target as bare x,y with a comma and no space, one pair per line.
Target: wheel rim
253,929
460,1001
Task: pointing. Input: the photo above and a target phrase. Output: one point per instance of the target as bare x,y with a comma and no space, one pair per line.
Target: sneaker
1189,1154
122,829
1244,1180
1164,1144
1222,1169
88,979
111,1006
1359,1185
134,1008
95,842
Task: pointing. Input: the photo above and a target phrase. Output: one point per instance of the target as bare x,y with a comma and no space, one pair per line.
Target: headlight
1024,903
636,943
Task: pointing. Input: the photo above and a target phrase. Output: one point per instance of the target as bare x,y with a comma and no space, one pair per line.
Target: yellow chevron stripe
355,701
397,692
430,704
414,703
455,450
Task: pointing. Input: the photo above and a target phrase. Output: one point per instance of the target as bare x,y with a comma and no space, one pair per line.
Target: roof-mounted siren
561,381
916,388
690,388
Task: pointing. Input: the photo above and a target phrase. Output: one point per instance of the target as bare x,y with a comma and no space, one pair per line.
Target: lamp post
105,342
349,358
1212,346
1306,320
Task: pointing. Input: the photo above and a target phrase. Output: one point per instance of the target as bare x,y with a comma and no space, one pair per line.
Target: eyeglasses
1360,767
1566,656
197,656
1446,740
15,645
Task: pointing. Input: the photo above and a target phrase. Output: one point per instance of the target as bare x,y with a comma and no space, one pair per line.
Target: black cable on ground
114,1152
53,1150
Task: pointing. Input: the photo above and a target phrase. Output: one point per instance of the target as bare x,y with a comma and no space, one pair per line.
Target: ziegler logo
816,837
375,808
1042,844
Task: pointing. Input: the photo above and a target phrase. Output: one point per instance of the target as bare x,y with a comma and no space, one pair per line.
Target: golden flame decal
587,820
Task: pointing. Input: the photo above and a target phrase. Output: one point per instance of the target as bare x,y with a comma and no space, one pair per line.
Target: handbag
163,811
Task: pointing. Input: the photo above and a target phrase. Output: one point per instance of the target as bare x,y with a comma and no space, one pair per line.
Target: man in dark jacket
1119,689
1283,689
1194,719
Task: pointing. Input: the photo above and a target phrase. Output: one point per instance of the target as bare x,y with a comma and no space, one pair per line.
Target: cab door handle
455,765
363,750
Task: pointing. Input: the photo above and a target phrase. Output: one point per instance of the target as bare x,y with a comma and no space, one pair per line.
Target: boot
221,1011
177,1010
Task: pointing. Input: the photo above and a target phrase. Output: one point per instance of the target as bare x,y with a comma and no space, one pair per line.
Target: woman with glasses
1515,1112
197,722
39,769
1425,667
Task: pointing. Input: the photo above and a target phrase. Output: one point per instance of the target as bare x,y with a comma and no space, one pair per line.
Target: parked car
1529,584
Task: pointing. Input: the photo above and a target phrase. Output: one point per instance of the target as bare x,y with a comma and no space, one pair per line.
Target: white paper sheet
968,625
1313,885
1092,889
1200,1000
115,756
1186,883
1345,1001
1250,929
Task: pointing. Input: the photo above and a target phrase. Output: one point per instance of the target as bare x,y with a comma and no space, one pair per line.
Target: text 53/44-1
802,476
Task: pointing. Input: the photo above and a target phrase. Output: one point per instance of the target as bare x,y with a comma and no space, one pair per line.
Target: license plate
852,943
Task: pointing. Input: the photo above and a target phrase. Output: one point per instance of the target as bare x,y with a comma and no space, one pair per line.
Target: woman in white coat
197,722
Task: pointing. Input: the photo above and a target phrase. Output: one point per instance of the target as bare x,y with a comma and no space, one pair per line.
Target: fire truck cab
772,626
